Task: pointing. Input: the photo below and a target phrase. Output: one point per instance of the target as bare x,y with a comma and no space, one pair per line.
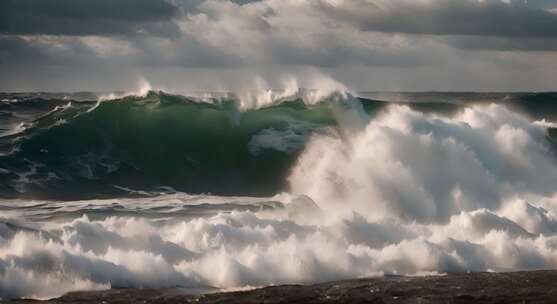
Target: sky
225,45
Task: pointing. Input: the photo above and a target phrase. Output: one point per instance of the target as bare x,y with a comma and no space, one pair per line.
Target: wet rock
518,287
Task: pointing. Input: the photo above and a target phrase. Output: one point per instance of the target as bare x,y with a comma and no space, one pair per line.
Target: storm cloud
450,17
367,44
85,17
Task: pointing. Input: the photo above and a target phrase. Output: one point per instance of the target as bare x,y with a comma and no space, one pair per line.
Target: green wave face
163,140
82,149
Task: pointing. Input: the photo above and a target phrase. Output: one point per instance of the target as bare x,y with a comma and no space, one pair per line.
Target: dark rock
518,287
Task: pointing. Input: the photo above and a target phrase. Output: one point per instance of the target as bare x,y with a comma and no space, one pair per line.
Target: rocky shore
516,287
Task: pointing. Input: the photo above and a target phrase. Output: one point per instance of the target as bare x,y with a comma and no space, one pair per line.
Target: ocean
205,192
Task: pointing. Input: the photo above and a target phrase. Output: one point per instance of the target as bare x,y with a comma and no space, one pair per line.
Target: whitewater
209,193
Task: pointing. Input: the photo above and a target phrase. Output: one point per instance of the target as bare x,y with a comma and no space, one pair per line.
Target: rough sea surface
164,191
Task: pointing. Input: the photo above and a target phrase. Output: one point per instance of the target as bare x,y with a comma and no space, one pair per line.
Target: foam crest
142,88
423,168
316,87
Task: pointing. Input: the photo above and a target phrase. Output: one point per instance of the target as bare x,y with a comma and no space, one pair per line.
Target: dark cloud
86,17
54,51
449,17
393,44
543,4
529,44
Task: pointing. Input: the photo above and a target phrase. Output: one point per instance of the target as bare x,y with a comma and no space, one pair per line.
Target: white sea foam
255,92
405,193
142,88
546,124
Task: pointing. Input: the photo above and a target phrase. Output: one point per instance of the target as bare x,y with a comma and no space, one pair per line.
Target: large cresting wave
370,188
86,149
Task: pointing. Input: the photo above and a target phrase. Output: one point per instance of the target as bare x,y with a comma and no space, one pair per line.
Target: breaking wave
370,188
83,149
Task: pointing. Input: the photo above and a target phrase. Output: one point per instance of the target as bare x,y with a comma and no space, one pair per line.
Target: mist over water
356,188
